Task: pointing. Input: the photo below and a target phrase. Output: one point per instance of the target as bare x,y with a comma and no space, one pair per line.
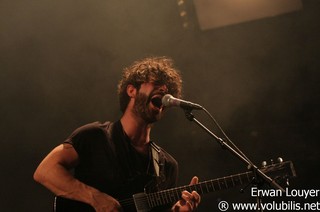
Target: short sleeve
84,137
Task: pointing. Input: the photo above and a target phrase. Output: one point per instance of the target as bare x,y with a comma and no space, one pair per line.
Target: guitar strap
158,161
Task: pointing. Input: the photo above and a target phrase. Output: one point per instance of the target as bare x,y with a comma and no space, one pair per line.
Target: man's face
148,104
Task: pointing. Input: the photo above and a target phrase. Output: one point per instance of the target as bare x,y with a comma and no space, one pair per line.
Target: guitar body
138,203
65,205
129,195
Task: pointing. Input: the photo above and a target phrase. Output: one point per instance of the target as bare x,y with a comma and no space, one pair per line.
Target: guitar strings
162,196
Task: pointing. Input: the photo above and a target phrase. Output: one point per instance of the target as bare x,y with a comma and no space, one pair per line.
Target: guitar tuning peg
280,160
264,164
271,161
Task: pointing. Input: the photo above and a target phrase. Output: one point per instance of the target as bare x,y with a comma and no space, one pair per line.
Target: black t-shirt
108,162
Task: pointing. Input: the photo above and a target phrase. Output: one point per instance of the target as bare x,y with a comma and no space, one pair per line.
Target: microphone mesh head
166,100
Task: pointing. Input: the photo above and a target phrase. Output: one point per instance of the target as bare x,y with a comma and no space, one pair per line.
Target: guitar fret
171,197
187,188
239,175
236,180
232,181
207,187
180,191
166,197
248,176
212,185
158,199
174,194
219,183
152,203
225,181
193,188
161,198
177,194
155,199
229,181
148,200
199,185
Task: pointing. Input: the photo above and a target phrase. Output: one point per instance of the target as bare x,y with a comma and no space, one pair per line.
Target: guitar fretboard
174,194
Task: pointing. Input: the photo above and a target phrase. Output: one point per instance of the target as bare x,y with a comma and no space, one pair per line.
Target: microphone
170,101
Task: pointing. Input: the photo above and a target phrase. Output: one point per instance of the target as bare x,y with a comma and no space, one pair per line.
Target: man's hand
103,203
189,201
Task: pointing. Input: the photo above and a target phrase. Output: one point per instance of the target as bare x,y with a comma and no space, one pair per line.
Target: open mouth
157,101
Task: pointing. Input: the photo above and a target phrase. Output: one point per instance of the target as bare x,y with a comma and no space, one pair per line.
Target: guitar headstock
281,171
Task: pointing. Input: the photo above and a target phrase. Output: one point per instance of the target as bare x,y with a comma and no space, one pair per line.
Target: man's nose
163,88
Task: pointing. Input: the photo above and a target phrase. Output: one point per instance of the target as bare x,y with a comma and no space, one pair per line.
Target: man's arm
53,173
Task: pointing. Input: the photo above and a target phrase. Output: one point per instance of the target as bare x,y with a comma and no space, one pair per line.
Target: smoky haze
60,62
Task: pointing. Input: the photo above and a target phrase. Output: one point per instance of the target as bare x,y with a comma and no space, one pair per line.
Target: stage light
218,13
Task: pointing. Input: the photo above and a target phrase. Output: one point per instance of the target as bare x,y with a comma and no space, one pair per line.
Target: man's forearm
60,181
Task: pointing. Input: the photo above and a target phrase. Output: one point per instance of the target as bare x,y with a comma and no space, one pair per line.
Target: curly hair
159,70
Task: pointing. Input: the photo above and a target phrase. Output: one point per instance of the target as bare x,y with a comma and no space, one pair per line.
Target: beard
143,109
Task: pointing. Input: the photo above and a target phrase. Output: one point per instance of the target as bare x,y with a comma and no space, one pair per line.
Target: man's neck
136,129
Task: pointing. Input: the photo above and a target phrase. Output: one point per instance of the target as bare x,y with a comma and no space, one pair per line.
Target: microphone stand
257,173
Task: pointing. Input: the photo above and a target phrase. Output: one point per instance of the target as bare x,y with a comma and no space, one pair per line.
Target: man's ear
131,91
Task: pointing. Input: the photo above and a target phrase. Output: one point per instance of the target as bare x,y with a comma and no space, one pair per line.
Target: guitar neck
143,202
174,194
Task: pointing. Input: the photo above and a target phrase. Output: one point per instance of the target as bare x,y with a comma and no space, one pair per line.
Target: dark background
60,62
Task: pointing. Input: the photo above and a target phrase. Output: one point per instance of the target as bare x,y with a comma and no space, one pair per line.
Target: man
113,160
